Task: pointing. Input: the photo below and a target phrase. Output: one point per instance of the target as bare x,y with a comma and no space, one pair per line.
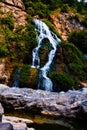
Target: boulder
72,104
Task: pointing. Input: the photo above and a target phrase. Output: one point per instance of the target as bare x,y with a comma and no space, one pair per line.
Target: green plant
72,54
63,79
8,21
3,50
79,71
28,76
79,38
84,21
44,50
65,8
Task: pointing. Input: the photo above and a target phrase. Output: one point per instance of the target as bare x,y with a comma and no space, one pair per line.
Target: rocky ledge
71,104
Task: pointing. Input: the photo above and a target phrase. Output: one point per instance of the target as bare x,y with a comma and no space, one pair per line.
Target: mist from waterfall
43,32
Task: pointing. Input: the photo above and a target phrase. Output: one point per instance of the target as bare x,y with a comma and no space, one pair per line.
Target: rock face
16,3
70,104
16,8
3,77
66,23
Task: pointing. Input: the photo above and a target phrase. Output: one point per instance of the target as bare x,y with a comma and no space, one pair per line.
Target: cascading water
16,79
43,32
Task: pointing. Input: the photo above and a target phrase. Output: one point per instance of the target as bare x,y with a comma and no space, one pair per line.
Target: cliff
18,38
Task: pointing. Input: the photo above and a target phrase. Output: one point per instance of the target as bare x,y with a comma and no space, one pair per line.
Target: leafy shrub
65,81
41,10
72,54
3,50
30,36
53,4
84,21
19,29
28,77
29,18
79,71
36,8
44,50
79,38
65,8
8,21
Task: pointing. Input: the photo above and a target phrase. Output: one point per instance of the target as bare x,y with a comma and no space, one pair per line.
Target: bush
41,9
37,8
65,8
53,4
72,54
8,21
84,21
28,77
65,81
79,38
3,50
79,71
44,51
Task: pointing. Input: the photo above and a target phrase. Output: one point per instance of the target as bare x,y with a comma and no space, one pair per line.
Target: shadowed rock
70,104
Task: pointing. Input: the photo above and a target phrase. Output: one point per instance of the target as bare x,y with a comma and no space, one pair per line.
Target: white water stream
43,32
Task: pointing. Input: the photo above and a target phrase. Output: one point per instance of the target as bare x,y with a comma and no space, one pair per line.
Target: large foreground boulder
68,104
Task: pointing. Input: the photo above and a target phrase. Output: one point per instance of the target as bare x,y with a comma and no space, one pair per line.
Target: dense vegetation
17,43
79,38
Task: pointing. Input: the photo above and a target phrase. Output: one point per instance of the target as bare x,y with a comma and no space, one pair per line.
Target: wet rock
67,104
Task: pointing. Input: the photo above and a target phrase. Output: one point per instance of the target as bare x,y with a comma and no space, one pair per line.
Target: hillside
18,38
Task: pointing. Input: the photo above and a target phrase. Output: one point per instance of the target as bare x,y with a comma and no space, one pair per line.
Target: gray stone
67,104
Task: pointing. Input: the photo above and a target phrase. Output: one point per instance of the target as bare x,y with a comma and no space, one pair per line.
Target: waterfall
42,32
16,79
